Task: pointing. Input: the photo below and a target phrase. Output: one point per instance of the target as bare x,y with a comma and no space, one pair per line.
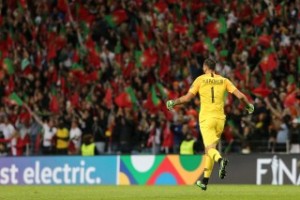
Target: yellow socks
214,154
208,166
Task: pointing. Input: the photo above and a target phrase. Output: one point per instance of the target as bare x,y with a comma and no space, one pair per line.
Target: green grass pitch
214,192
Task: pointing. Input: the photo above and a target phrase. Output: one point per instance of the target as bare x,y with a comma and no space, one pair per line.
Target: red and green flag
154,96
279,9
181,29
16,99
269,62
216,27
259,19
62,5
24,63
140,34
116,18
265,40
9,66
162,90
131,93
209,45
108,98
160,7
148,58
123,100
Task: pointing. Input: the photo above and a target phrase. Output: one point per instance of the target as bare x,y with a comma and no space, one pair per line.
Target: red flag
201,17
198,47
10,86
60,42
108,98
290,100
51,52
160,7
74,100
23,3
265,40
258,20
62,5
180,29
149,57
127,69
150,106
85,15
212,30
53,106
269,63
164,65
239,75
119,16
93,76
262,91
123,100
75,56
140,34
94,59
196,5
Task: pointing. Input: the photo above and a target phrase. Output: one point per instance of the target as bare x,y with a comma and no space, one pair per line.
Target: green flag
118,48
131,93
291,79
209,44
298,61
137,55
224,53
76,66
191,30
9,66
161,90
268,77
25,62
154,96
222,26
110,20
85,28
14,97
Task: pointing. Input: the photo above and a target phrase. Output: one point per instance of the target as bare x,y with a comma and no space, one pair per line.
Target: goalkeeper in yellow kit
211,88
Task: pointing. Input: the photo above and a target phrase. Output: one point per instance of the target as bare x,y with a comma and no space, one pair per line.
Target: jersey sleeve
229,86
194,89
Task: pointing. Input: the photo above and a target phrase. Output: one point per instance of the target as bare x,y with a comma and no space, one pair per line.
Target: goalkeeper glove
250,108
170,104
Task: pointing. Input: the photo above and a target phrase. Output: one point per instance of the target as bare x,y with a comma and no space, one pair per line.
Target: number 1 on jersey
212,95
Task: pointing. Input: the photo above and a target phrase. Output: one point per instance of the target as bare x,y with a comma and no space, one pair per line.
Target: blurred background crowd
80,72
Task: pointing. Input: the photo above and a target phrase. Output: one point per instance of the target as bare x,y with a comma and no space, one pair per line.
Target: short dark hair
210,63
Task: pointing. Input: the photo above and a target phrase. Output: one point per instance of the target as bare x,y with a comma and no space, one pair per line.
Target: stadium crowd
100,71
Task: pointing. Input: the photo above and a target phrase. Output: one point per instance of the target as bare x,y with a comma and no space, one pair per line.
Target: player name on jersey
211,81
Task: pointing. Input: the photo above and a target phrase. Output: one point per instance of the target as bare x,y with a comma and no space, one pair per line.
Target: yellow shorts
211,130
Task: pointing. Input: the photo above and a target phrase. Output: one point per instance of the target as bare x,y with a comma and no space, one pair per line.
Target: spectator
75,138
70,59
49,132
88,147
62,138
187,145
99,135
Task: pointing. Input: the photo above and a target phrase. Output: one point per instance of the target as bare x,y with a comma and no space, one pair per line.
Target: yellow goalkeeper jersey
211,89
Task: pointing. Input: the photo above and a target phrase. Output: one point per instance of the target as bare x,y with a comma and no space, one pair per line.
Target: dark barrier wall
262,169
147,170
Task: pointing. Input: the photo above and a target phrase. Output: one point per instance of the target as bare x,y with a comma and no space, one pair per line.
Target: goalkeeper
211,88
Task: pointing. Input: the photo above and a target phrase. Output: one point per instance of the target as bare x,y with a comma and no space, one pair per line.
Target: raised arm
181,100
37,119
